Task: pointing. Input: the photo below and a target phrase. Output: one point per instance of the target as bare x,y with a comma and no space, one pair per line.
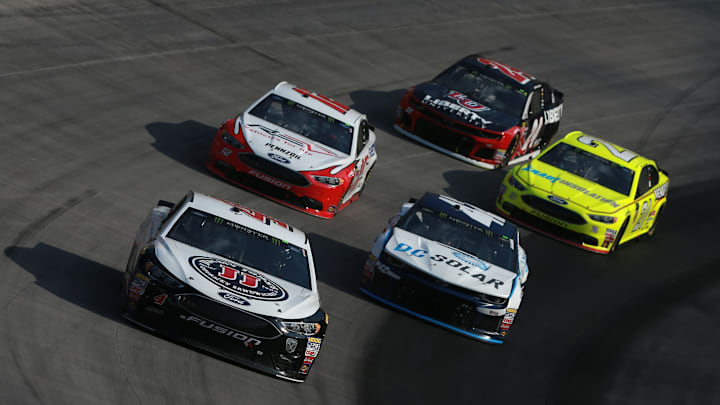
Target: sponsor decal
311,353
238,279
462,112
512,73
313,346
138,286
553,115
574,186
304,369
372,150
314,340
466,102
409,250
247,340
557,200
609,237
661,191
290,345
264,177
278,158
235,299
507,321
325,100
226,152
271,133
279,149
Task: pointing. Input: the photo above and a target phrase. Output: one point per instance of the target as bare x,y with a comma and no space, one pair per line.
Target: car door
645,202
534,122
361,161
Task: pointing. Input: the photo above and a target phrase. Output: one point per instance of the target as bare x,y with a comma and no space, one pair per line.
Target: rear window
590,167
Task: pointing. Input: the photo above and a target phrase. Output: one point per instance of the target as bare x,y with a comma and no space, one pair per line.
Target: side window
535,104
363,135
648,179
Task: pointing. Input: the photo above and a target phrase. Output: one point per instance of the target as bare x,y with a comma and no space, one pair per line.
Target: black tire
620,234
365,181
651,231
509,152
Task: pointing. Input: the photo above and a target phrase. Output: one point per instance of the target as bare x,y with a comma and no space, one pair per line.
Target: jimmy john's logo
238,279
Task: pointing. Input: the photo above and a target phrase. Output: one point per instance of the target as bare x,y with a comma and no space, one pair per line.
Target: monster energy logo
219,220
276,241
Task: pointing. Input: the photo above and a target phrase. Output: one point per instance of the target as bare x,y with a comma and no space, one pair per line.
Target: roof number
624,155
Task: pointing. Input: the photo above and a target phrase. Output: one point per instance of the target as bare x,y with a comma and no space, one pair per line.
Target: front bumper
311,198
593,236
187,317
438,305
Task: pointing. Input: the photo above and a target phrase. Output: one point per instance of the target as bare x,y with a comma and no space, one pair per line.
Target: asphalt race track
107,106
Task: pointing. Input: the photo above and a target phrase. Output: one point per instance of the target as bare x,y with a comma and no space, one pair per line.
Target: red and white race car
298,148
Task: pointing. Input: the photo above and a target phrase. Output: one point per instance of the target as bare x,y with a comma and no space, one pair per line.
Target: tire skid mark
662,114
23,373
511,16
123,369
38,225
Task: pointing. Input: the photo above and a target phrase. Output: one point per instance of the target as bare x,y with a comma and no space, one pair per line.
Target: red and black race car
482,112
298,148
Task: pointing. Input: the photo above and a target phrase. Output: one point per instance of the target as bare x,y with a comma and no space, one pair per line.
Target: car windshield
590,167
243,245
472,238
485,90
306,122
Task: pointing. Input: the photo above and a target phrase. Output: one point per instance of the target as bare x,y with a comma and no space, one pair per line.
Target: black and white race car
228,280
451,264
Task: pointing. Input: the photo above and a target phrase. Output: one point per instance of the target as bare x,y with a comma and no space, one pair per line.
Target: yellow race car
587,192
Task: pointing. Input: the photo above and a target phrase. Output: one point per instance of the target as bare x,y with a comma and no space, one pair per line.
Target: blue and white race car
451,264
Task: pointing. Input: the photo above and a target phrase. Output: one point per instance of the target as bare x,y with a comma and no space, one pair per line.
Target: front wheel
620,234
651,231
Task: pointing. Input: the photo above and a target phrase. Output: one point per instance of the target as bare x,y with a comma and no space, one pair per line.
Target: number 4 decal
625,155
160,299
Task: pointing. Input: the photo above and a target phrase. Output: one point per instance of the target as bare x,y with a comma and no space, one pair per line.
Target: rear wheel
651,231
620,234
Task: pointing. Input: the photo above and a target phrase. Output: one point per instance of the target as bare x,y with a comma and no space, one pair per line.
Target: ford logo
236,299
278,158
471,260
557,200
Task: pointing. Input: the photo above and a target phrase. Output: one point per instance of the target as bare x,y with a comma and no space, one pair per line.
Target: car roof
635,163
318,102
501,72
247,217
468,213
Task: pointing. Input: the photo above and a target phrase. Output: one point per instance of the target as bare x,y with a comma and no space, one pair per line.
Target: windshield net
306,122
590,167
485,90
243,245
471,238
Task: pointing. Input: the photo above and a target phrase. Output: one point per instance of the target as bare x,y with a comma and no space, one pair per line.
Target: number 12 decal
625,155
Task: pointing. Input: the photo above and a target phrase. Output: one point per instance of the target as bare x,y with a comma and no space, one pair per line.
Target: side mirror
413,200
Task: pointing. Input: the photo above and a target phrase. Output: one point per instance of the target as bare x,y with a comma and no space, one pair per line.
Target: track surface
108,106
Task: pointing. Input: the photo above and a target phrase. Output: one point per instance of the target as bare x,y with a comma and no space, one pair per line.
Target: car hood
547,179
450,265
462,107
274,296
289,149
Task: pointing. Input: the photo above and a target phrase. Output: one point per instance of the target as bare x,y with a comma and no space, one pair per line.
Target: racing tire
616,242
365,181
509,152
651,231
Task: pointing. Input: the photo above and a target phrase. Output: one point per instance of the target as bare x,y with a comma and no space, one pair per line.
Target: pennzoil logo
238,279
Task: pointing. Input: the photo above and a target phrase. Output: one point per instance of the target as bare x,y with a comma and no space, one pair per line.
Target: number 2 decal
625,155
643,215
